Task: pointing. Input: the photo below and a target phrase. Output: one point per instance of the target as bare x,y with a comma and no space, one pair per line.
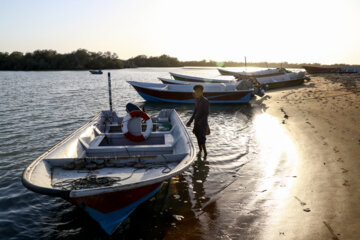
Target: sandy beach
322,118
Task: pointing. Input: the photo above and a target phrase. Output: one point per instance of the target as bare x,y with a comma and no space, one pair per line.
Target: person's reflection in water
201,171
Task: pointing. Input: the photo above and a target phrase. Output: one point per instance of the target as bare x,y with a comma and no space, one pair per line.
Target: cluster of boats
179,88
111,164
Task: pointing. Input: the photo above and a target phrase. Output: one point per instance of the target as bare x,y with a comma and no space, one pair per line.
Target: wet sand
323,119
304,181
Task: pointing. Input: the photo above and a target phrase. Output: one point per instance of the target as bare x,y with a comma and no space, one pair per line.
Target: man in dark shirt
200,115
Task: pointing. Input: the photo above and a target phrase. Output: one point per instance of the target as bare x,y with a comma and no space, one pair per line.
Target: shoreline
322,118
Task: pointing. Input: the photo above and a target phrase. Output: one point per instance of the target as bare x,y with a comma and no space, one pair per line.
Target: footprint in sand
340,160
344,170
306,210
346,183
335,149
301,202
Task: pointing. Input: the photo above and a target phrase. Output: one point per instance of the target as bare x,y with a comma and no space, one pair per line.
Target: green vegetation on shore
83,59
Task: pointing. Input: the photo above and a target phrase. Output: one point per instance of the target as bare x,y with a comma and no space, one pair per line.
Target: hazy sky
324,31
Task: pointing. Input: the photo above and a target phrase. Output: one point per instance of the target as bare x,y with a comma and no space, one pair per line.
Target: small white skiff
100,170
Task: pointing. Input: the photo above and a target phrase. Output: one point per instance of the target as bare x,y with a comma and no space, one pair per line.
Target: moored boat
174,93
187,78
313,69
96,72
340,70
109,165
344,70
100,170
174,81
261,73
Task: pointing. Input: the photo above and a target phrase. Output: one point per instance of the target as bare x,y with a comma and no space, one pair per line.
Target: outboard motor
260,91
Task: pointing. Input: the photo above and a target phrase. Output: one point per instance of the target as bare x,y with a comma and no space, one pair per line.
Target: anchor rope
93,181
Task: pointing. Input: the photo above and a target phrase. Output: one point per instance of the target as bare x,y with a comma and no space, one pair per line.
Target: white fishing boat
272,82
284,80
174,81
110,165
187,78
260,73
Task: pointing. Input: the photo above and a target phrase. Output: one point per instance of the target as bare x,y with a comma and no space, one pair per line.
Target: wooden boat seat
118,144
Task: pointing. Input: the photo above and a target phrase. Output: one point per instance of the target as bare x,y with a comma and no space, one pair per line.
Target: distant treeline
83,59
51,60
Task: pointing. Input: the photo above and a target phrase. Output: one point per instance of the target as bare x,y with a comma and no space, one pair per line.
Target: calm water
230,194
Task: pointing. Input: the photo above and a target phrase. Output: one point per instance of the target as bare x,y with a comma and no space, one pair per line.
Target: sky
306,31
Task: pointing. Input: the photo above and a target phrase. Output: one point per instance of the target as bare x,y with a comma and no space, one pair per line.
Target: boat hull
110,209
341,70
239,74
187,97
312,69
284,84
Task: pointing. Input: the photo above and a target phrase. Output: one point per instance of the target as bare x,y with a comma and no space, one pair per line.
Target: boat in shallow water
96,72
107,171
176,93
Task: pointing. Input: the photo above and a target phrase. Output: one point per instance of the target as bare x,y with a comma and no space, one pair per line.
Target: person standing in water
200,115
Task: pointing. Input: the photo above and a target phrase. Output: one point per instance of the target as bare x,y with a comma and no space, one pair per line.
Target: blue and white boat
176,93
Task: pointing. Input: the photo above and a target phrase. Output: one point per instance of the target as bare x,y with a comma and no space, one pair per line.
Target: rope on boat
92,181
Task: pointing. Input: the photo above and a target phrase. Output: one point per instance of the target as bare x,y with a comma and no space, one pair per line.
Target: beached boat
344,70
96,72
261,73
279,81
341,70
100,170
187,78
282,81
174,93
313,69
